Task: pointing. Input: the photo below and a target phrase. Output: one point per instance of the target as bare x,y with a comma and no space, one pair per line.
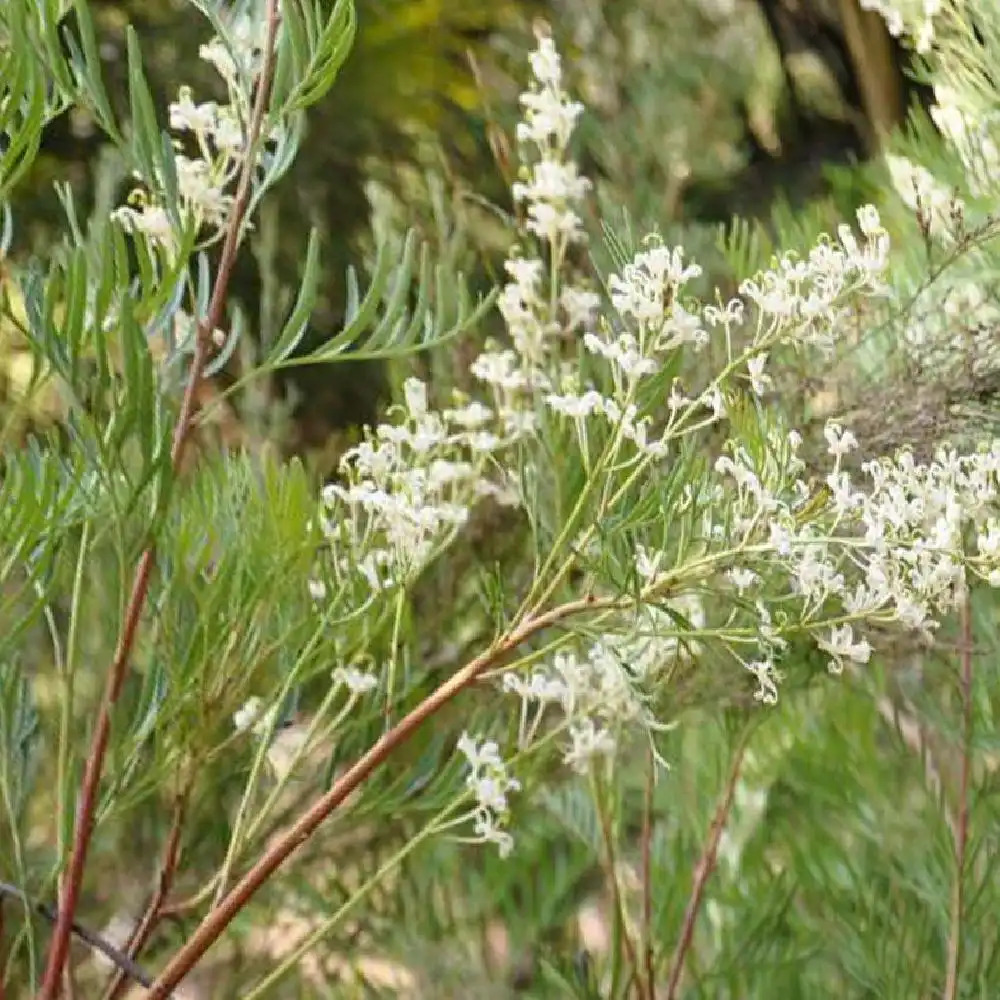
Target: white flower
624,354
545,63
185,115
538,686
244,717
758,380
579,306
470,417
552,182
218,56
553,223
648,566
152,221
228,135
317,590
415,394
915,17
356,681
576,407
647,288
766,676
742,578
252,716
202,192
841,645
549,116
588,741
490,784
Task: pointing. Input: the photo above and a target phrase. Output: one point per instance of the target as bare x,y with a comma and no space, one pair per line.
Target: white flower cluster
953,327
922,192
254,717
551,187
801,301
240,61
603,695
537,310
895,550
971,130
648,294
409,488
219,135
798,302
490,784
913,17
411,485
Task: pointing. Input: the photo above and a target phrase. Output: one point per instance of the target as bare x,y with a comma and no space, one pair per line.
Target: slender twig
70,889
647,873
704,868
611,876
154,909
92,938
283,845
962,823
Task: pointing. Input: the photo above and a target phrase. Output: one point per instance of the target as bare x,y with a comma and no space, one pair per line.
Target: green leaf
23,108
329,49
145,133
395,330
295,325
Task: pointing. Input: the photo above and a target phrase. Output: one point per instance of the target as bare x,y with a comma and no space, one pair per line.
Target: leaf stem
87,803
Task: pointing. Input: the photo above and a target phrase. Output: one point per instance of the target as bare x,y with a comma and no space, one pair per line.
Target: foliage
555,640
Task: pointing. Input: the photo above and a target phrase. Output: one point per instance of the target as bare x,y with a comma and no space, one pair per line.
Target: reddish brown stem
154,910
703,869
962,820
87,802
285,844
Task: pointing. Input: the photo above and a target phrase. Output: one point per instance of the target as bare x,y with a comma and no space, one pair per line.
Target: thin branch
216,921
92,938
962,824
83,829
154,910
647,873
616,896
704,868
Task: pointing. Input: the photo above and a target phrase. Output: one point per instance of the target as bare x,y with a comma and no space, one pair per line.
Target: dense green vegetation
749,802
